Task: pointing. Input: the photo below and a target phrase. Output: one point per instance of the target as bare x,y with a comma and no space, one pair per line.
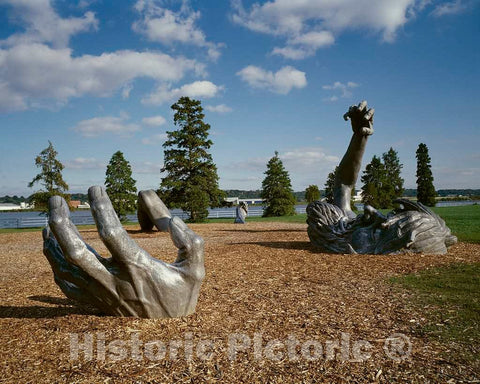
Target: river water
33,218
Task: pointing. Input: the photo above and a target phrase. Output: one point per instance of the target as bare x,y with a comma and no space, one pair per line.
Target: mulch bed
264,282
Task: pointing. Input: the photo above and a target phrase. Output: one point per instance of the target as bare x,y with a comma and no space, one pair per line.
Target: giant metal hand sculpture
131,282
335,227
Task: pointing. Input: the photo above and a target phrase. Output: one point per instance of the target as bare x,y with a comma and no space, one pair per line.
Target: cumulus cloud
282,81
305,45
37,67
221,108
197,89
147,168
107,124
84,163
154,120
255,164
155,139
343,90
127,88
308,25
36,71
451,8
310,158
168,27
306,165
43,25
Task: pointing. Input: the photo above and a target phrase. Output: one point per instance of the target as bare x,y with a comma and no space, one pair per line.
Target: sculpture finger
75,293
73,247
113,235
152,206
189,244
347,115
369,114
62,269
362,105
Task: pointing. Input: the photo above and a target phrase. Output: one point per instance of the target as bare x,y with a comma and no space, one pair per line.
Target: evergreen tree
329,186
277,193
50,178
425,189
374,180
393,182
120,185
191,182
312,193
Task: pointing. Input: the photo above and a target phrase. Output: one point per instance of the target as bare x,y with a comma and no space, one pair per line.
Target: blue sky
99,76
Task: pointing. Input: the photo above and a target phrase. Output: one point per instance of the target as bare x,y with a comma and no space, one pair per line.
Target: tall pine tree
394,183
425,189
120,185
50,177
191,182
277,193
329,186
374,180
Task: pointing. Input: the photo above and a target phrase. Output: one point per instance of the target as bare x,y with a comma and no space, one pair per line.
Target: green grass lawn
299,218
449,299
464,221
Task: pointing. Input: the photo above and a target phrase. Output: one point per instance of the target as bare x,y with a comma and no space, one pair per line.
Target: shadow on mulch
64,307
137,231
262,231
53,300
298,245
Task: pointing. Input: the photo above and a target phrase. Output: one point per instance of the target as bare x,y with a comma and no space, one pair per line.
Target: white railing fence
42,221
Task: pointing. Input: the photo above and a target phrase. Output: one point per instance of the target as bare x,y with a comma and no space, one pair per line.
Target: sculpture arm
347,172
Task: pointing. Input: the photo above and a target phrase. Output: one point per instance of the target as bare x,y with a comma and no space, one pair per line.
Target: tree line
190,179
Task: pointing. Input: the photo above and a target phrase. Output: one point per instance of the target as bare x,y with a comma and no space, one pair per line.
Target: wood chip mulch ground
265,290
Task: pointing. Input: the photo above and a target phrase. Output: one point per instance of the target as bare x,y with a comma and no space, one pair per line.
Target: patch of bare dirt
264,282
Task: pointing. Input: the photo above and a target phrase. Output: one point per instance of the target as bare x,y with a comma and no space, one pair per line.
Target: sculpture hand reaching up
361,118
336,228
131,282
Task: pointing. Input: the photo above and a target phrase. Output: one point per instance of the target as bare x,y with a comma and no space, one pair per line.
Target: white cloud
168,27
38,72
127,88
344,90
155,139
43,25
255,164
282,81
292,53
197,89
306,165
147,168
451,8
221,108
308,25
305,45
314,39
154,120
307,158
84,163
108,124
